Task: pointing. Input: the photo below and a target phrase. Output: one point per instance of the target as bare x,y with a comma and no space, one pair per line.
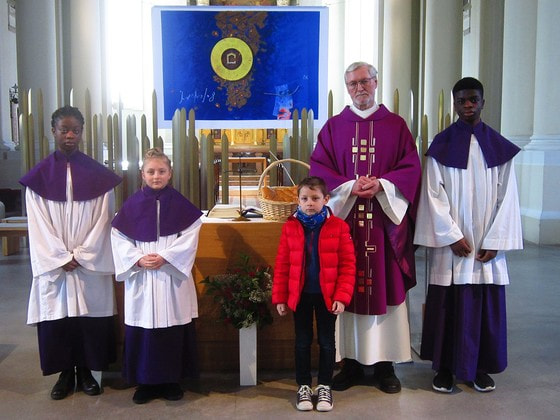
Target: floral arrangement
243,294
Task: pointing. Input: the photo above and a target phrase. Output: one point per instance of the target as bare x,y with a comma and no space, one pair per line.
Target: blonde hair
156,153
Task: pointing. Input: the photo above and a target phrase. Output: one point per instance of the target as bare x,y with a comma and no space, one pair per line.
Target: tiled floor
528,389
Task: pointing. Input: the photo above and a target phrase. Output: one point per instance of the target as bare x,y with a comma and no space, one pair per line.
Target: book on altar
230,211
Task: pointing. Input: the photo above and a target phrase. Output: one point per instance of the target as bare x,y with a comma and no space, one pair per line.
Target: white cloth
478,203
374,338
164,297
58,231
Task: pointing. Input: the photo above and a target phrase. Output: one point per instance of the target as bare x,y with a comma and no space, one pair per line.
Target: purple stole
451,146
382,146
90,179
138,218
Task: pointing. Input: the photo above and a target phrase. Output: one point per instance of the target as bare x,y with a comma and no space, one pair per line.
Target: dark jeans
303,322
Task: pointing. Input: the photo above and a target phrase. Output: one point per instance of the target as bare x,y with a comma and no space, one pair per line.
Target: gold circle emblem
231,59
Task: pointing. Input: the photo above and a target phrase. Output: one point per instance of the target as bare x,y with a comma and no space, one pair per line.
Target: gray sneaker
303,401
324,398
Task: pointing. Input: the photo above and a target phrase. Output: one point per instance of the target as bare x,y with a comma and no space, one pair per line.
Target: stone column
518,99
540,161
397,56
442,56
37,53
83,52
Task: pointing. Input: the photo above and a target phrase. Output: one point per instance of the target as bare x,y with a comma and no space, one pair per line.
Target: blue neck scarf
312,221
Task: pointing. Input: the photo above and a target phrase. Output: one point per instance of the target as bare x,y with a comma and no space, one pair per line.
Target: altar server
467,217
155,238
70,204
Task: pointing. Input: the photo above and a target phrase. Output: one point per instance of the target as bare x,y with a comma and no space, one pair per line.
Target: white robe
373,338
164,297
480,204
58,231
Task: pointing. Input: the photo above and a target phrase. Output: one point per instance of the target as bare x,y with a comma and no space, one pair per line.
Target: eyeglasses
363,83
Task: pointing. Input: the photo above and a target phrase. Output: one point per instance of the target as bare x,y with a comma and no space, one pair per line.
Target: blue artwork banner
249,66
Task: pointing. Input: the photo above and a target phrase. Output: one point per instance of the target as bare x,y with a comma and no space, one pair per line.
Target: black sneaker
443,381
483,382
172,391
145,393
324,398
303,401
351,374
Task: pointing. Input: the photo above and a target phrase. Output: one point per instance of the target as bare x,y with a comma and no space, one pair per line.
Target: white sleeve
505,232
342,200
392,202
47,250
180,255
125,254
434,225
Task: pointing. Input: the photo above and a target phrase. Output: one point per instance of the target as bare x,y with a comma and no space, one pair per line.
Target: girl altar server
154,239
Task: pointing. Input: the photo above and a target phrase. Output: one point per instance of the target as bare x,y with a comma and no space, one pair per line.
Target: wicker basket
276,210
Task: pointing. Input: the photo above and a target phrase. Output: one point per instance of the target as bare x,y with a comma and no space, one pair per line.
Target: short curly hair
67,111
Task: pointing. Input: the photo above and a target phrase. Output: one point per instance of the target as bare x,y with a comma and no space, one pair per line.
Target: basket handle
276,163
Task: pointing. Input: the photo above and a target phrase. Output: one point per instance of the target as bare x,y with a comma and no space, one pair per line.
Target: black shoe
385,375
351,374
86,382
64,385
145,393
483,382
443,381
172,392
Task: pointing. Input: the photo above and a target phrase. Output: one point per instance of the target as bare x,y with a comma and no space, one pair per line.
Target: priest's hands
71,265
485,255
461,248
366,187
151,261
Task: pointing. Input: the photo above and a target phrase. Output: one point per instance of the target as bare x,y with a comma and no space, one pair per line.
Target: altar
220,243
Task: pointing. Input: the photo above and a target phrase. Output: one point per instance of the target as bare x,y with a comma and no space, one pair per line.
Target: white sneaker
304,395
324,398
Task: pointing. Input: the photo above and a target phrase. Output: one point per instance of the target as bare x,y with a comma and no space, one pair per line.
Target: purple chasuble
90,179
451,146
380,145
138,218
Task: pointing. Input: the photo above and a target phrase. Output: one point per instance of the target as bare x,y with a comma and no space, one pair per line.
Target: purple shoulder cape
451,146
138,217
90,179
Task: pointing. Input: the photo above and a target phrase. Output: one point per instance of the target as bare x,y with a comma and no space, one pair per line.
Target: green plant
243,294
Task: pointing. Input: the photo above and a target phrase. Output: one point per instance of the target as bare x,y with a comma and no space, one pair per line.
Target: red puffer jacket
337,263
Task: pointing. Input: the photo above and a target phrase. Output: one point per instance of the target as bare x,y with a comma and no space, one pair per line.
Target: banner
247,66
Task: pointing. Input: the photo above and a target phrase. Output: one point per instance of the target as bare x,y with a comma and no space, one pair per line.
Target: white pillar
540,163
8,73
442,56
397,55
83,54
37,52
520,37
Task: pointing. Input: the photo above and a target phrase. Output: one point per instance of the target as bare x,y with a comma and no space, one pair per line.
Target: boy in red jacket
315,272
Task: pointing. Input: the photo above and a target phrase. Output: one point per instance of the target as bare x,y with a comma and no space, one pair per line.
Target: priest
70,204
368,158
468,217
